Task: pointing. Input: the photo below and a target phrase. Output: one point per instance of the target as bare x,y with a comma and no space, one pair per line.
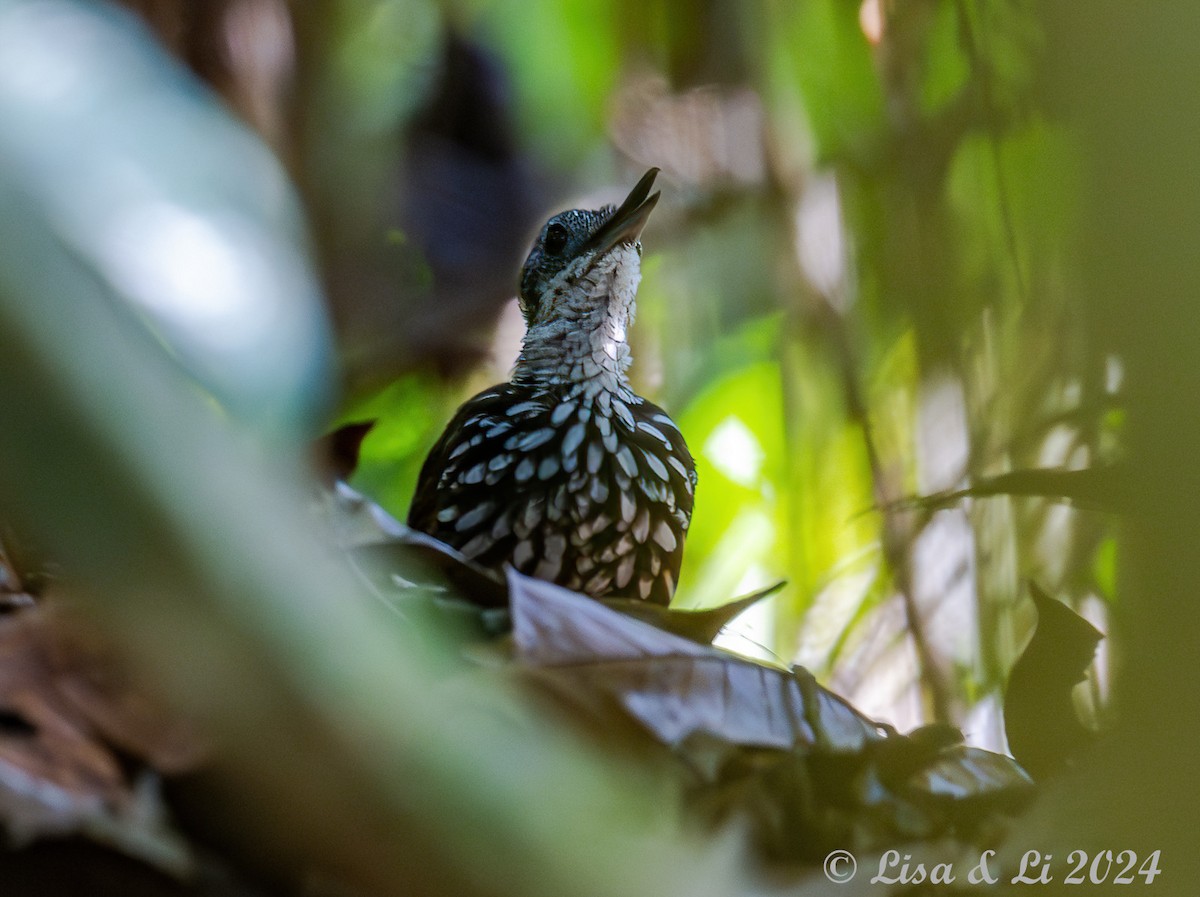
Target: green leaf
564,58
946,67
818,50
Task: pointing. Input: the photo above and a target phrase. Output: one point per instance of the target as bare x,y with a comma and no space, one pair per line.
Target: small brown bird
564,472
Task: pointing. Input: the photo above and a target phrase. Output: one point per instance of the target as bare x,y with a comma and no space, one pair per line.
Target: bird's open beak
626,224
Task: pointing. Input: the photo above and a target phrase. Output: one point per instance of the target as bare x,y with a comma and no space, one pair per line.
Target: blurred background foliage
859,287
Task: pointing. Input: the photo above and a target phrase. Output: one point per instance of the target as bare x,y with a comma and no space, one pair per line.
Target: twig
898,531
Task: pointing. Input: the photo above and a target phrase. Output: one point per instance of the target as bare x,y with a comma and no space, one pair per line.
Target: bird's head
573,244
578,287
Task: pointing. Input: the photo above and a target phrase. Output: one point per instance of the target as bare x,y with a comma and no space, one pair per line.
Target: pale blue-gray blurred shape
178,208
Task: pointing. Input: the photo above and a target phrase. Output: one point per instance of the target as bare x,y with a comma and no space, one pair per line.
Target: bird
564,473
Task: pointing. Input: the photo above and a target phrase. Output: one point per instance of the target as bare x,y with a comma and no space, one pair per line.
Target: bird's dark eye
556,239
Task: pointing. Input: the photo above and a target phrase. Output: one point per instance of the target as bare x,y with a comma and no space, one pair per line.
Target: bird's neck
579,342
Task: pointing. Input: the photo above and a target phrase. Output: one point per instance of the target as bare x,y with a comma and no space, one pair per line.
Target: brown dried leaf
673,686
57,774
769,748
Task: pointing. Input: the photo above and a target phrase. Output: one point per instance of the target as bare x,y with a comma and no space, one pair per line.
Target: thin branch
898,529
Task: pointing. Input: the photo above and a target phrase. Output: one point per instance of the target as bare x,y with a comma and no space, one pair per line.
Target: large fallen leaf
764,745
673,686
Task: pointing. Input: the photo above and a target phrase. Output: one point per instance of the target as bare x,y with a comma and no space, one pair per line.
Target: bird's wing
657,435
464,427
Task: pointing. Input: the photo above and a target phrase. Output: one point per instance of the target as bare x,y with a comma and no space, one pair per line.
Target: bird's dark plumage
565,473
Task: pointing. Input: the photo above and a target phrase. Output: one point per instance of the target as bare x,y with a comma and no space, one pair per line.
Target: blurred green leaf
564,58
177,211
946,66
409,415
380,68
734,431
818,49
